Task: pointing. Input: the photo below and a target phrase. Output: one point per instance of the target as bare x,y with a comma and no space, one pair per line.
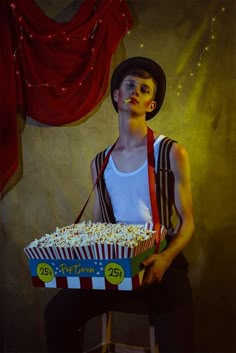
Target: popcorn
87,240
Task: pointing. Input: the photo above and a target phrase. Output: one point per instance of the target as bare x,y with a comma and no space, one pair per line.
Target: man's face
138,93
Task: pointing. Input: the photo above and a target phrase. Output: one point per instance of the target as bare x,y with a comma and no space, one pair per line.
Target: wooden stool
109,346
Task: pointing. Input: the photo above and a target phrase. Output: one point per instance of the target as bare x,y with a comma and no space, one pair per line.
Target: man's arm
97,213
158,263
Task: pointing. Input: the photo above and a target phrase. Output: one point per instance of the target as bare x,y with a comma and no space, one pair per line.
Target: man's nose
135,91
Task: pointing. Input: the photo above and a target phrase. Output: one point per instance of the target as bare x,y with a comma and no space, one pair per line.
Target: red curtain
56,72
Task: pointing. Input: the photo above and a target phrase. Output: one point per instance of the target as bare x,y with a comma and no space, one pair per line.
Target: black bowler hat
148,65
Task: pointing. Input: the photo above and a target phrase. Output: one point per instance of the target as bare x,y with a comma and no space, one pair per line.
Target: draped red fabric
8,123
59,71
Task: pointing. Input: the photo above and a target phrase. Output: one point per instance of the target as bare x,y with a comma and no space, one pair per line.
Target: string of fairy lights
23,34
26,35
204,51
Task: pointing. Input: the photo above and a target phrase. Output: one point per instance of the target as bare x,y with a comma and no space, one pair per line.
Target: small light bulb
141,45
191,74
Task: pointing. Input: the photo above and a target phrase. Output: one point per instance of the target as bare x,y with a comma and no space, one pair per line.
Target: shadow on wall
214,289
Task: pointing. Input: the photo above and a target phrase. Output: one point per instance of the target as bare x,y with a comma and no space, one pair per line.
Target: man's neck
132,131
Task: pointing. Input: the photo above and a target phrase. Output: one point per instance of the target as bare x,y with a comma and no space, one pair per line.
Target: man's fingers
148,261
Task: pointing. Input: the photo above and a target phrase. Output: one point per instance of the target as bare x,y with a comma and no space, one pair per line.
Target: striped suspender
107,212
165,183
152,187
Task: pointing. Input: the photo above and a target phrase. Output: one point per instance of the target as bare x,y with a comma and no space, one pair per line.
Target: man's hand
156,265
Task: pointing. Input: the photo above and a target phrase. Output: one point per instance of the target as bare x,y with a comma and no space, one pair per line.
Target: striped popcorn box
144,245
50,251
163,232
41,252
30,252
83,252
103,251
65,252
123,252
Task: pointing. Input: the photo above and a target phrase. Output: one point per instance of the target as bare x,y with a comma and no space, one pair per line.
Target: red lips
134,101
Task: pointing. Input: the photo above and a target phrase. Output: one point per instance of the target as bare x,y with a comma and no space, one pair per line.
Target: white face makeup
137,94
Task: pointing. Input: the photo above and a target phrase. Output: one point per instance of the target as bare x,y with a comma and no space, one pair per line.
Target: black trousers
168,304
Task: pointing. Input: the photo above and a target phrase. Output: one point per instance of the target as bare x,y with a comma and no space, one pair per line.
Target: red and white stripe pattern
103,251
83,252
122,252
163,232
65,252
90,283
49,252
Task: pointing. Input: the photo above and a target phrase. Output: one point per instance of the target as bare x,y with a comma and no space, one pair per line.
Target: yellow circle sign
114,273
45,272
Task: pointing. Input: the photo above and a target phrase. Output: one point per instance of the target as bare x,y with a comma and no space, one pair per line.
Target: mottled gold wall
200,115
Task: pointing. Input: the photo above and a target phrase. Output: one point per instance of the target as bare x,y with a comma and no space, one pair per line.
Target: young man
123,195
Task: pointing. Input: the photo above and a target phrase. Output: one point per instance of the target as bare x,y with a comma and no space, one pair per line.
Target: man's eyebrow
129,79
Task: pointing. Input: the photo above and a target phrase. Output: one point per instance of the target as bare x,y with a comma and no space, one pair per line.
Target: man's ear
151,106
116,95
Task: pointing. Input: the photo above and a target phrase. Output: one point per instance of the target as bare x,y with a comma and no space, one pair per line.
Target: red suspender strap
98,176
152,186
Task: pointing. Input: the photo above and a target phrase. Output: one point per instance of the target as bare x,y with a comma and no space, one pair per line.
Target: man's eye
130,85
145,90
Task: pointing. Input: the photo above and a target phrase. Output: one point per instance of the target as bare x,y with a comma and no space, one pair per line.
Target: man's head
146,69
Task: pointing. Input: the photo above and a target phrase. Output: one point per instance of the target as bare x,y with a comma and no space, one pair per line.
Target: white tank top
129,192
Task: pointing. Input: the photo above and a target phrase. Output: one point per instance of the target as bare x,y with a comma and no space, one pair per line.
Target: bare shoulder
178,152
93,169
92,164
179,159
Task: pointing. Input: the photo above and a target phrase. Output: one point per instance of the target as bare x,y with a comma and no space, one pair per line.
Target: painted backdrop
194,41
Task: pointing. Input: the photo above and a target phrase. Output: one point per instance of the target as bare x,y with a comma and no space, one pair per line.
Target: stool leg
106,331
153,345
